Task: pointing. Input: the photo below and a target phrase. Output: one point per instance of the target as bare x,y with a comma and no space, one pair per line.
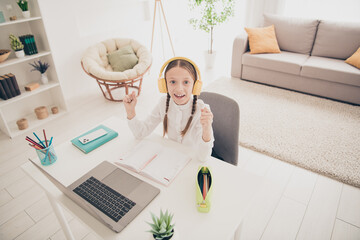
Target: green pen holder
204,189
47,155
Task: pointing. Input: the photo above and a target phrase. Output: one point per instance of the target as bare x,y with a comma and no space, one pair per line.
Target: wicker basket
4,54
41,112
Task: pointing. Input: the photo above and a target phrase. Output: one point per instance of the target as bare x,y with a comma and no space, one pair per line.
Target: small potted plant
17,46
41,67
23,5
207,15
162,227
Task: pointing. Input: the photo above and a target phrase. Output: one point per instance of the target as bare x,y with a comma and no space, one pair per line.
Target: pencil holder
204,186
47,155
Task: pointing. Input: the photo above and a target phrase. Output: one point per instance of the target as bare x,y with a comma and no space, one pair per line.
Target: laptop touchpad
121,181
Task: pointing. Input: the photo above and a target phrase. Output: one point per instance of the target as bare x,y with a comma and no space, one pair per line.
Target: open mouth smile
179,96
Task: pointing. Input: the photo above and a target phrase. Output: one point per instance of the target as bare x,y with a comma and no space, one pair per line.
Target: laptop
109,194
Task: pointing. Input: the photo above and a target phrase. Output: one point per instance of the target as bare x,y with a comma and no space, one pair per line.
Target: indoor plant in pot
162,227
17,46
207,15
41,67
23,5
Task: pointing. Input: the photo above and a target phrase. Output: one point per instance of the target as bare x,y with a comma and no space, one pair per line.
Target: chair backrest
225,125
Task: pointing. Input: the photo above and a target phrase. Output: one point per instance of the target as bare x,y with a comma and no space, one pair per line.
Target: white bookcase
49,95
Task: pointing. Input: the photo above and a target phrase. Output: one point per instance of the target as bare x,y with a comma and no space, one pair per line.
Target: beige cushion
330,69
354,59
293,34
336,40
262,40
123,59
287,62
95,59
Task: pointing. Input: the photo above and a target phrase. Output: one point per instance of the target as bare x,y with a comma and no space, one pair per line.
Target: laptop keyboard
104,198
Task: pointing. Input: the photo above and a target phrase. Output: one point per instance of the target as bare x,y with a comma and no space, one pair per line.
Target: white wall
72,26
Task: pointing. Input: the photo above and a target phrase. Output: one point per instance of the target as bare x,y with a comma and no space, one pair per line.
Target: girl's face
179,84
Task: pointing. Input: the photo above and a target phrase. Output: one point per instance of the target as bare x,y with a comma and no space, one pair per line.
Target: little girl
185,118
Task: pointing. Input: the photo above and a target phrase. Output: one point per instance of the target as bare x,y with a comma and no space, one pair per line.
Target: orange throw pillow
263,40
354,59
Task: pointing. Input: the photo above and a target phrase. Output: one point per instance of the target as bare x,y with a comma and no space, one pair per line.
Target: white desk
232,193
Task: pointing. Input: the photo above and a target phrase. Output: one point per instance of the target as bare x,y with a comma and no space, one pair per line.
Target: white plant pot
20,54
44,78
26,14
209,59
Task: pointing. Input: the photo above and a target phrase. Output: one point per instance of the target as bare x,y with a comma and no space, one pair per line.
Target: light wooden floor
291,204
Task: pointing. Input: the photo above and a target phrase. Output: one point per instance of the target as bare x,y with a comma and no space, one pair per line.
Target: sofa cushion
287,62
330,69
262,40
293,34
336,40
354,59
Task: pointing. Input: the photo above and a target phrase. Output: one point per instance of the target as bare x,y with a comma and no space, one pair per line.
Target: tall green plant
210,13
23,4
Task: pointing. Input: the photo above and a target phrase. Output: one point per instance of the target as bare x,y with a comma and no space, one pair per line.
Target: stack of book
8,86
28,41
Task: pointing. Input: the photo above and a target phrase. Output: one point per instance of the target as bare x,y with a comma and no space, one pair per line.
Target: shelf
19,21
33,122
13,61
25,94
50,94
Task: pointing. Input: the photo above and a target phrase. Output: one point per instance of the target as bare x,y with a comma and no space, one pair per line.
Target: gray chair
225,125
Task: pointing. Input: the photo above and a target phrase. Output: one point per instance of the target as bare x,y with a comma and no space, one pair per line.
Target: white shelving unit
49,95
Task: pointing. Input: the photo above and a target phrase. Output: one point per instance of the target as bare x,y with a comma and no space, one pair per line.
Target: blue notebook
88,147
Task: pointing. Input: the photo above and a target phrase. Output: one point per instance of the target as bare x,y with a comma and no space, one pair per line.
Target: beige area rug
311,132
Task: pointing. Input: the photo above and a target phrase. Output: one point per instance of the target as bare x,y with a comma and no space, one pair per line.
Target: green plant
210,13
23,4
161,228
15,43
39,66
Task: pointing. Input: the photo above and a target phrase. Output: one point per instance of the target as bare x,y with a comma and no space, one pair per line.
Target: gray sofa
312,58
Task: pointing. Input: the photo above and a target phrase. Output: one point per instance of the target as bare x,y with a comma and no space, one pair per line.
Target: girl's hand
206,120
130,103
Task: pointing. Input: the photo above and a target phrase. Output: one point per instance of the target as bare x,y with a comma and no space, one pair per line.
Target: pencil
45,138
204,186
33,142
47,151
39,139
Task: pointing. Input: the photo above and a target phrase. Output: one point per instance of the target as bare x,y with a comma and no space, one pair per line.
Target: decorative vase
209,59
44,78
20,54
26,14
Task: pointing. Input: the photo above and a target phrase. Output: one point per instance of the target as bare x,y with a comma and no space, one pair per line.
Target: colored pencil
45,138
33,142
34,146
47,151
39,139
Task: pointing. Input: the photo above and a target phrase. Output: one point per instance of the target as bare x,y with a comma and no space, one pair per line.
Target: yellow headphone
162,82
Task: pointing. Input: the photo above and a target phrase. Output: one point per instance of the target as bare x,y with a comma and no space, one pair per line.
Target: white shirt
178,116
